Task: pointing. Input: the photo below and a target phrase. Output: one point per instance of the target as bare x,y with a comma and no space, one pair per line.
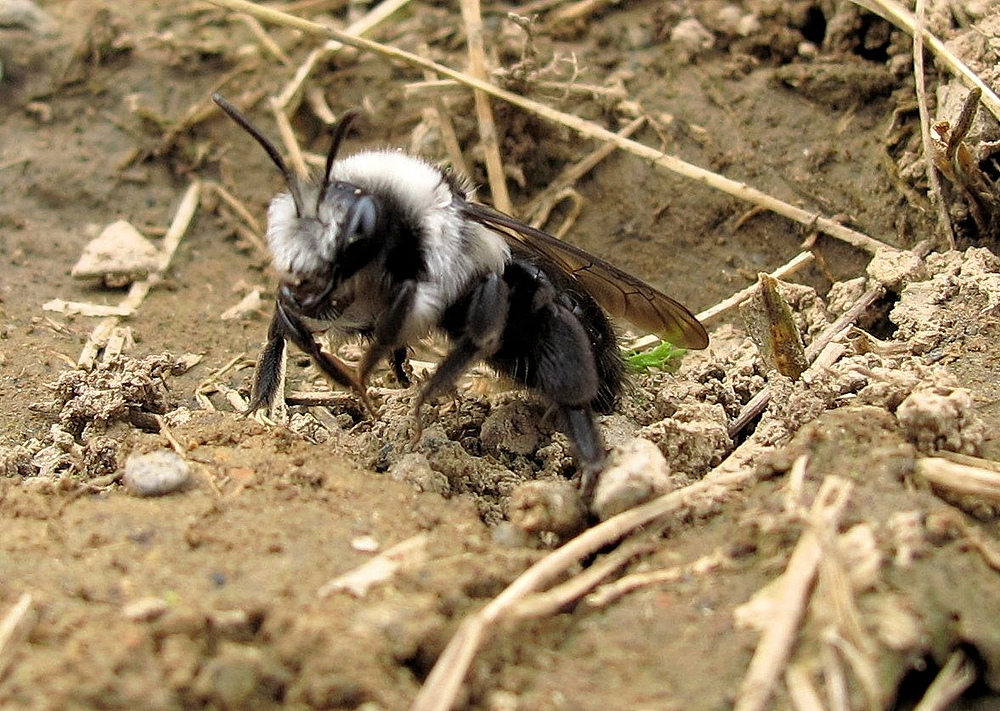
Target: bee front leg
269,375
332,367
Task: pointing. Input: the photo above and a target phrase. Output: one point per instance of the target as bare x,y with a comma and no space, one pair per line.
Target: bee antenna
339,131
269,147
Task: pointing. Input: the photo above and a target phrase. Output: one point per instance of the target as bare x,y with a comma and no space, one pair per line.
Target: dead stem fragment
775,646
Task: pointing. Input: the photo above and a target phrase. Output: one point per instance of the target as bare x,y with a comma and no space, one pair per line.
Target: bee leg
398,360
332,367
386,333
481,335
269,375
578,424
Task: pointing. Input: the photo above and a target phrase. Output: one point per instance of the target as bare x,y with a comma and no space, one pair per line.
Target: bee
388,247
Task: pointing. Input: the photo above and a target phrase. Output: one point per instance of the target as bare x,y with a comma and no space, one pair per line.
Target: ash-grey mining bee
387,246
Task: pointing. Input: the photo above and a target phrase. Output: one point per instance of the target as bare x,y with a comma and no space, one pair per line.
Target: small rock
145,609
690,38
547,507
636,473
414,469
118,256
942,419
894,269
157,473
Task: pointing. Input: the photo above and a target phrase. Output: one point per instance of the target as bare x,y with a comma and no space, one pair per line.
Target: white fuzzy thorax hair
455,249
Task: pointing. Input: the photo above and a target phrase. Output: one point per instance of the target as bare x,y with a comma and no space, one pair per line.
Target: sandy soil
219,595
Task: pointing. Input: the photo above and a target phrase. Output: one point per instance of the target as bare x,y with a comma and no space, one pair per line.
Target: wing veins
617,291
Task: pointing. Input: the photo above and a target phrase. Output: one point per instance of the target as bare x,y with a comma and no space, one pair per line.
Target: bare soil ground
845,491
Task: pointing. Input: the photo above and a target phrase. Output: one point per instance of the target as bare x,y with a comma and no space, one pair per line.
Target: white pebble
636,473
157,473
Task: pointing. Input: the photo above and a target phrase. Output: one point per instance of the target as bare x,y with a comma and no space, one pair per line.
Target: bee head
314,223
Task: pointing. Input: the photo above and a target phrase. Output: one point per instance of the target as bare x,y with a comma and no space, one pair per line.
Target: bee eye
361,218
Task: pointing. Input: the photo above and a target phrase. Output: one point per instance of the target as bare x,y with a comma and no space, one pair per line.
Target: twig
292,147
549,602
801,690
234,203
290,96
442,685
266,42
937,195
902,18
472,17
802,259
607,594
960,478
775,646
955,677
587,129
15,626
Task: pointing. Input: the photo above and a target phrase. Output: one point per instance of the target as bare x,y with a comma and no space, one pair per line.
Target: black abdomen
557,341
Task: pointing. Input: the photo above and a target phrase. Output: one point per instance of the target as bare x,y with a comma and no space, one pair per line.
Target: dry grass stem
814,351
269,45
292,148
863,666
905,20
834,679
551,601
316,98
955,677
312,6
610,592
578,11
587,129
234,203
775,646
933,179
799,261
572,214
472,17
801,689
441,688
15,627
452,147
960,478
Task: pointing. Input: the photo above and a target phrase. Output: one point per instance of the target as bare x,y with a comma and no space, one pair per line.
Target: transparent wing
618,292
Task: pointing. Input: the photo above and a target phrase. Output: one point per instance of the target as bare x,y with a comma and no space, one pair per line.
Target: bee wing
618,292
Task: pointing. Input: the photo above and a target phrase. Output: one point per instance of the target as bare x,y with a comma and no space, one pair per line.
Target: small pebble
636,473
157,473
364,544
547,507
145,609
118,256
